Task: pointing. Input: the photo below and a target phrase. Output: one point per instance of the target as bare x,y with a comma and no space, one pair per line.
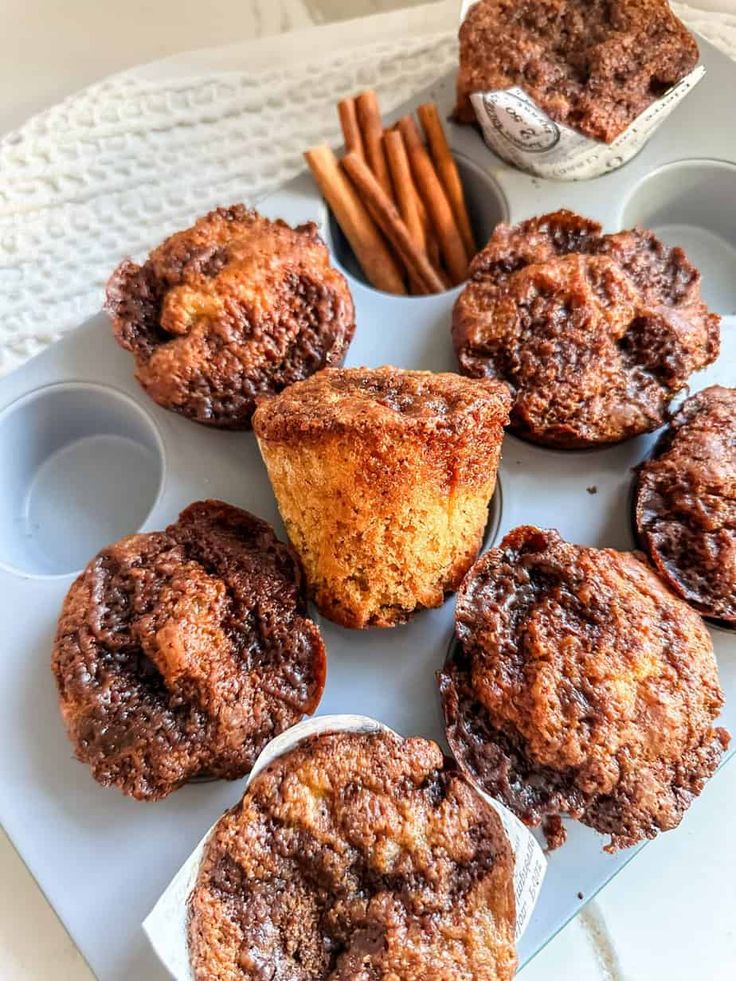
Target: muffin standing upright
383,478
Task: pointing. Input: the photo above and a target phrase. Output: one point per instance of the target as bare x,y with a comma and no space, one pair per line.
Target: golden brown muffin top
593,333
686,503
234,307
366,400
182,652
356,856
594,65
581,685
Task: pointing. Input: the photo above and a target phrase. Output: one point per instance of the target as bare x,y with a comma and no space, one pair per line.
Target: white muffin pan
85,458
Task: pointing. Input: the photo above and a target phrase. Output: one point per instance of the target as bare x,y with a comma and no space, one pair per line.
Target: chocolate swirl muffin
383,478
686,503
183,652
233,308
594,333
594,65
356,856
581,686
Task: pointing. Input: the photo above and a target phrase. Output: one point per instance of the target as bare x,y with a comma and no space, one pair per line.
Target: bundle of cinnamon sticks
399,203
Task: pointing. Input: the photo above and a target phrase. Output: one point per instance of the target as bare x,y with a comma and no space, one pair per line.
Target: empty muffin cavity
82,465
692,203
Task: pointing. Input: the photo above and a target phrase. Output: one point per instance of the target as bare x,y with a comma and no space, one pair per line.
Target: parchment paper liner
166,924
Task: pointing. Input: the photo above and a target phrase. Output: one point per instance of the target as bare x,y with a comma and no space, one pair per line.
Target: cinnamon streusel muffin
686,503
594,333
235,307
356,856
581,686
594,65
383,478
181,653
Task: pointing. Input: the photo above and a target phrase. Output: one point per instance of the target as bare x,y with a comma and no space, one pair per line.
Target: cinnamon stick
446,167
371,127
433,249
409,203
391,223
369,247
407,199
433,194
350,128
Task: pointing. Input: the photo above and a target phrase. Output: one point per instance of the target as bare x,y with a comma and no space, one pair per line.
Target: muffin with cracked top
233,308
581,686
356,856
686,503
595,334
593,65
383,477
181,653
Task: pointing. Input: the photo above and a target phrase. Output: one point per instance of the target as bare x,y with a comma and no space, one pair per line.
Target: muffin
181,653
383,478
593,65
686,503
595,334
356,856
581,686
235,307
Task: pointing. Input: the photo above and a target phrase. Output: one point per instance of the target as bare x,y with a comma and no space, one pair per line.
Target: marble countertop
669,915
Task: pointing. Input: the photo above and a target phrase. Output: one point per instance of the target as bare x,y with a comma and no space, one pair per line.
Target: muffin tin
85,457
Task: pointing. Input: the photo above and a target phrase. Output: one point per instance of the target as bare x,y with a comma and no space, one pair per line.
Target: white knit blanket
112,170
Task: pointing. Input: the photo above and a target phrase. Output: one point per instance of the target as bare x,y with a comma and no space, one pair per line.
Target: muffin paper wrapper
521,133
166,924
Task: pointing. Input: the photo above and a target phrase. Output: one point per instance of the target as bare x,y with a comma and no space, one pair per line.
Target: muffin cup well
166,924
82,466
692,203
486,204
